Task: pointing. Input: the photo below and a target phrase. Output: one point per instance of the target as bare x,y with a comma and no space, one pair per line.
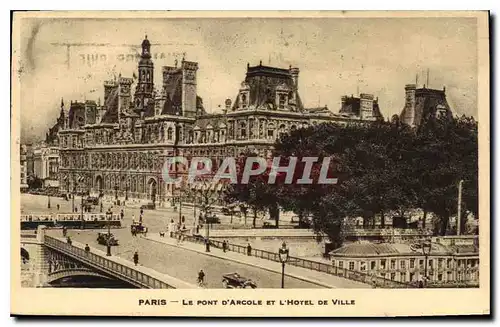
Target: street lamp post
73,196
195,219
426,250
48,203
81,206
109,215
283,255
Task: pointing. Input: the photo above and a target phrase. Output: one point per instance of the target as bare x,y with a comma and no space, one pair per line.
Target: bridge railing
307,264
124,272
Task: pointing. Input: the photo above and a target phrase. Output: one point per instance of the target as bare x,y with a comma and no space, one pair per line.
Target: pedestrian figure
68,240
140,218
224,246
65,231
249,249
121,214
136,258
207,245
58,207
142,211
183,219
87,248
201,277
171,228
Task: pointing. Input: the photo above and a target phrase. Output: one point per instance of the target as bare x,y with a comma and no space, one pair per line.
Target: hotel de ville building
118,148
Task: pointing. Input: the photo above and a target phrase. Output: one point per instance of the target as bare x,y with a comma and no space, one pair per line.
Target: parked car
102,238
234,280
149,206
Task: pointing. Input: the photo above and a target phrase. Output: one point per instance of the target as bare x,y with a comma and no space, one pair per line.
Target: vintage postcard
245,164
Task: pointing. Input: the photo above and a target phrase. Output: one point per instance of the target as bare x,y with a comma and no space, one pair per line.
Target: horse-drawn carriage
104,238
138,228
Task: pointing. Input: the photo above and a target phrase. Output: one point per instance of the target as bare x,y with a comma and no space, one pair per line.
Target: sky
70,58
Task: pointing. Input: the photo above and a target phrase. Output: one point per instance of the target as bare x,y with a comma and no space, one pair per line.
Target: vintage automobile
149,206
234,280
138,228
102,238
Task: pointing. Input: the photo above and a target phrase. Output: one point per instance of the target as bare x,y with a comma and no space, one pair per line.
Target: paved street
180,263
170,260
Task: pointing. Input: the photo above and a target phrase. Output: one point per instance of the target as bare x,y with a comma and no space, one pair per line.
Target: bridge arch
73,272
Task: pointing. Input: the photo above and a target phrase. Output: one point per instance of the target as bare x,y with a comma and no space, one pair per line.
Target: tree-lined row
381,168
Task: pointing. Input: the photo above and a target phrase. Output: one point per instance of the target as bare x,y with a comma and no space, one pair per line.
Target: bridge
53,259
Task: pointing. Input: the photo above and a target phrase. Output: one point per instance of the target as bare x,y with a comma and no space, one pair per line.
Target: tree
447,152
257,195
34,182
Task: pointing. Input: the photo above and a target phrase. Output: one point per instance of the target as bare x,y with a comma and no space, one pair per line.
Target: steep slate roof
262,82
426,103
213,119
76,115
111,105
173,90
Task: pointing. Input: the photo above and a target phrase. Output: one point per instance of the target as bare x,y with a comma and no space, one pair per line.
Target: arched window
170,133
282,130
190,140
270,131
162,133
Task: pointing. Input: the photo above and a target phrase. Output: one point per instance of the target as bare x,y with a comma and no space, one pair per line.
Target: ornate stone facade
122,145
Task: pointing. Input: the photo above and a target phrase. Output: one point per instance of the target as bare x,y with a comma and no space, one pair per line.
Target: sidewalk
322,279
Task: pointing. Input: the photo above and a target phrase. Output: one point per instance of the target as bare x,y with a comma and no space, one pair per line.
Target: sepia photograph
249,157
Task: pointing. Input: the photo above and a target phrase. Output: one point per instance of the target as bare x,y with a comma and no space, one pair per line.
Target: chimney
227,105
343,101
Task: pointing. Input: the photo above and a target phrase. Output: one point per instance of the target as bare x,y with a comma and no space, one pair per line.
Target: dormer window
244,100
440,111
282,99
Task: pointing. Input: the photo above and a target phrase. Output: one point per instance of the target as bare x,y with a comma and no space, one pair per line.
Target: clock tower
144,89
